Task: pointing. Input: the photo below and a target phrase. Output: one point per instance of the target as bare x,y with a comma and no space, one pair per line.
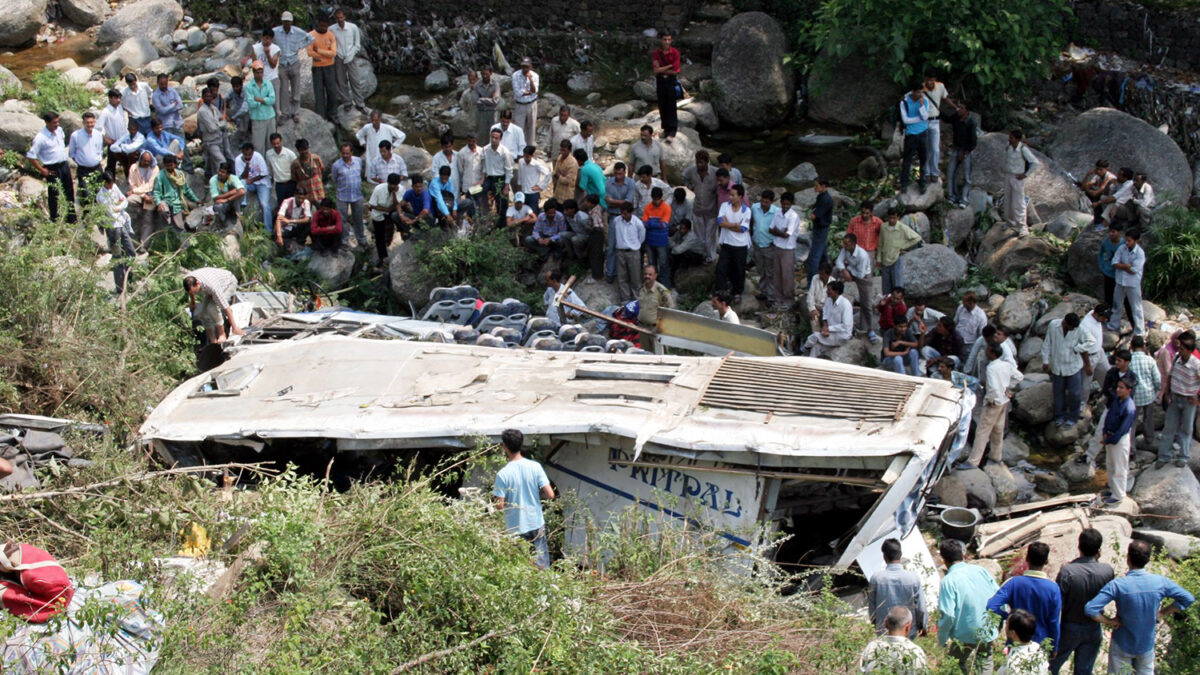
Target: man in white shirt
553,286
349,44
519,215
1000,378
837,322
445,157
290,40
497,172
643,184
384,205
720,302
117,228
135,98
48,154
1019,162
784,227
526,86
254,173
511,135
816,292
629,233
1129,262
563,127
969,318
280,160
113,121
468,162
1066,355
1132,201
923,314
533,178
733,222
894,653
375,132
86,149
585,140
854,264
648,152
266,52
387,163
1092,325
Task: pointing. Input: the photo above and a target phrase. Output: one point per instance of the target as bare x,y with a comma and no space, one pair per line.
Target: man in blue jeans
1079,581
1139,595
519,487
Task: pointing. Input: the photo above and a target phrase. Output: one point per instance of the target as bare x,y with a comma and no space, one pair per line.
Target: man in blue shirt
442,190
915,112
1128,263
159,143
1139,595
895,586
520,485
1033,592
964,626
548,231
1104,258
417,207
1118,436
762,215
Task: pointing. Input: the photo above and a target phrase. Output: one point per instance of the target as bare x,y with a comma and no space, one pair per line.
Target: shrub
1172,249
54,93
486,260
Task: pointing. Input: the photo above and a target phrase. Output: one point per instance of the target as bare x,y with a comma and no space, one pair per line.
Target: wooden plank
604,317
1005,511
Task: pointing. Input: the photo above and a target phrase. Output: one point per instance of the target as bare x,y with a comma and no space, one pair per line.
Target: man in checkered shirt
217,286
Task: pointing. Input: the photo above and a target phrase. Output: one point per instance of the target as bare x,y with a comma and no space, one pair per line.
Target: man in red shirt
665,64
866,226
892,308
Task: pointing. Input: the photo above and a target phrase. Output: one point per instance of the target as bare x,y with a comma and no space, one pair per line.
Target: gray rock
8,79
30,189
226,48
78,75
914,199
932,270
1006,254
645,91
1069,223
62,65
580,83
620,111
20,21
1153,312
680,153
196,39
1065,436
1034,405
215,36
1077,302
978,485
362,72
1173,492
869,169
84,13
706,117
593,97
598,295
802,175
416,158
1003,483
853,91
752,92
706,310
437,80
1050,190
1050,483
950,491
179,37
144,17
408,285
17,130
822,141
1016,450
165,66
957,225
1104,132
1030,349
133,53
1016,314
333,270
315,129
1177,546
856,352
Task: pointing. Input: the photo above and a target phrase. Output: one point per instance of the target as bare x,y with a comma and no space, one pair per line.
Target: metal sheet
694,329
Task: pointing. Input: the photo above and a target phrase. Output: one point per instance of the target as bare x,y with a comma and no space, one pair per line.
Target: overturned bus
838,456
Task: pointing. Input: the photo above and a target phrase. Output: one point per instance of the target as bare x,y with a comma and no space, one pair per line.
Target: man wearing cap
349,44
135,97
519,215
260,100
290,40
267,53
112,122
526,84
323,51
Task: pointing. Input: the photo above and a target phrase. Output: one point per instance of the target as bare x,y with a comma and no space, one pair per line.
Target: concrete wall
1158,36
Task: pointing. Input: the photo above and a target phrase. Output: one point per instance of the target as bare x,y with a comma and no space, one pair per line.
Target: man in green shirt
895,237
173,197
260,102
227,191
591,177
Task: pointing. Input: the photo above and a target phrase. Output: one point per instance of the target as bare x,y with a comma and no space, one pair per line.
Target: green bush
487,260
52,92
1172,250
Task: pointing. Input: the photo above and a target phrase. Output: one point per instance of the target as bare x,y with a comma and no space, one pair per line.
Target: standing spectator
783,252
1138,596
237,112
487,97
384,205
1000,378
591,177
643,185
227,191
822,219
280,160
347,175
837,322
468,161
549,232
294,220
656,216
1065,354
943,341
113,122
1079,581
386,163
48,154
665,62
253,171
308,170
290,40
915,111
893,586
762,215
323,50
964,628
935,93
526,86
213,137
648,152
701,179
498,172
1181,387
349,44
976,363
618,192
533,177
167,105
901,348
1092,324
86,149
1128,264
686,248
854,264
173,197
734,221
1104,258
866,226
267,53
376,132
1108,396
260,102
566,172
652,297
1035,593
1118,438
629,233
142,178
135,97
894,653
585,140
1019,162
970,318
1097,184
1148,389
117,228
965,137
512,136
563,127
1025,656
217,286
895,237
725,161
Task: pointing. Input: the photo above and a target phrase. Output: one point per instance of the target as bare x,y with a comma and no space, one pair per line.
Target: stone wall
1159,36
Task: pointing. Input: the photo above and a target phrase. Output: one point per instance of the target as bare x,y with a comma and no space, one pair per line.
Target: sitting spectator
894,653
686,249
837,322
943,340
327,228
892,309
294,219
816,291
1025,657
1131,202
549,231
1098,183
34,586
902,348
720,302
416,207
173,197
922,315
519,215
553,287
227,192
579,226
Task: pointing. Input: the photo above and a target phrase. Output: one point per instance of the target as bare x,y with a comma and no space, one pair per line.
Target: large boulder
84,13
17,130
1050,190
417,159
316,130
1172,492
332,270
852,91
754,88
133,53
147,18
1083,270
856,352
932,270
1003,483
950,491
957,225
706,117
1004,253
1068,224
8,79
980,492
802,175
1035,405
1066,436
1030,349
404,271
1126,141
21,20
1016,314
598,295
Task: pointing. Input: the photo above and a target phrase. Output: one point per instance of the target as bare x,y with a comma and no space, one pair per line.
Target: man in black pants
48,154
665,64
384,207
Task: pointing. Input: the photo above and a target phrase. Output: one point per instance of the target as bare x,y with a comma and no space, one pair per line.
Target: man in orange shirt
323,51
657,219
866,226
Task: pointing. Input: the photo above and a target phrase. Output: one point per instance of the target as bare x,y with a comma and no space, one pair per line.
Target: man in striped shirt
1180,394
1065,355
217,286
1149,384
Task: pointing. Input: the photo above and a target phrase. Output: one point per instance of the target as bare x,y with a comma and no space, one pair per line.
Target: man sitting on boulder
327,228
837,322
1097,184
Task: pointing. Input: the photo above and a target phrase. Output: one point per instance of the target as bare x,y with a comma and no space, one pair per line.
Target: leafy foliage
485,259
52,92
993,51
1172,249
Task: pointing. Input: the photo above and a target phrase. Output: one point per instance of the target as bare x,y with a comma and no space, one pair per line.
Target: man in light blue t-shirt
518,491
